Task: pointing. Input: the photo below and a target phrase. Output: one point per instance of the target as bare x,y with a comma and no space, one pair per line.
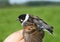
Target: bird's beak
17,19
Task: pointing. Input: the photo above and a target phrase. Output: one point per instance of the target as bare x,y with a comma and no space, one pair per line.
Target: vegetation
42,3
10,24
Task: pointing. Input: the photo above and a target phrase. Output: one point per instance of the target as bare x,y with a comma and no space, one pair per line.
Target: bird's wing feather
42,24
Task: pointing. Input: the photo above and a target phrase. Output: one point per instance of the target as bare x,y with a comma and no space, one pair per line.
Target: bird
34,27
38,21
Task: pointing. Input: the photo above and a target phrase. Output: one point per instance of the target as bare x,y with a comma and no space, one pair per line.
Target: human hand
15,37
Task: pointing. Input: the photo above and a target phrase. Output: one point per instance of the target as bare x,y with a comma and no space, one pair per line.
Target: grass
50,14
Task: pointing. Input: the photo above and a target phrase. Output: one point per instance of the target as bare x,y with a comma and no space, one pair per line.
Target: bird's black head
21,17
25,18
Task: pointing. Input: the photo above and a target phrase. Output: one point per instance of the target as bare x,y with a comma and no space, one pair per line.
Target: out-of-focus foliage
4,3
42,3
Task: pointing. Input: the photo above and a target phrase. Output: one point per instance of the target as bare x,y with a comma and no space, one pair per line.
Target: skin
15,37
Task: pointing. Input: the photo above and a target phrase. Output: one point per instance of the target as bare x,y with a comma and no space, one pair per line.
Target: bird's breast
32,34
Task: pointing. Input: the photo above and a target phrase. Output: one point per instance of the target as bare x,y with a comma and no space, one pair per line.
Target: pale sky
17,1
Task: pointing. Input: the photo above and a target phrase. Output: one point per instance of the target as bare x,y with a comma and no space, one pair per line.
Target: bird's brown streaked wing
42,24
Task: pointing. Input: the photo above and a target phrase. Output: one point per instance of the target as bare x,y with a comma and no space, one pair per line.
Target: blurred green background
48,12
